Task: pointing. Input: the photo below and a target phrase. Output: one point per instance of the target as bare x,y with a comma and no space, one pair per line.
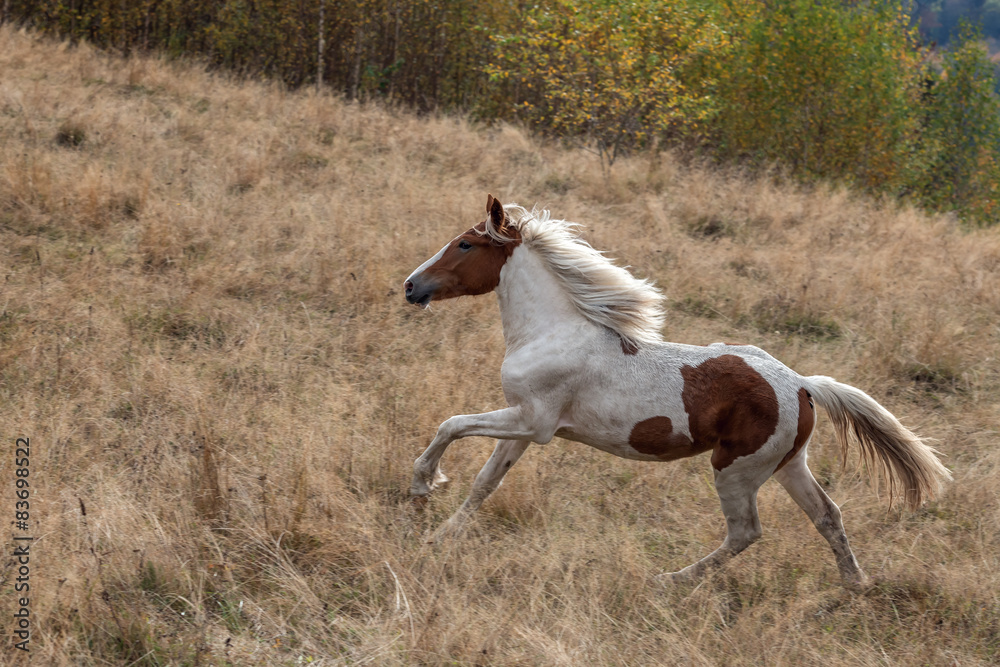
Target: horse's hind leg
825,515
505,455
738,494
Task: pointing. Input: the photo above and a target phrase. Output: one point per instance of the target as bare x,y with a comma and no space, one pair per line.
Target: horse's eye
464,245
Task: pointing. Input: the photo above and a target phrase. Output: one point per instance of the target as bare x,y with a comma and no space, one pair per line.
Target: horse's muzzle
419,295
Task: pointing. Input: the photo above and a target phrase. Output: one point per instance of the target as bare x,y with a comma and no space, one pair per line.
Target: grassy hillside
203,335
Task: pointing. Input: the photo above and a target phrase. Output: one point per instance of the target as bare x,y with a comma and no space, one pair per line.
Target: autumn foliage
825,89
830,90
619,74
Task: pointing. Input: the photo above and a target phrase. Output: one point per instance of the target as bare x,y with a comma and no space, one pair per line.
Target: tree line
828,89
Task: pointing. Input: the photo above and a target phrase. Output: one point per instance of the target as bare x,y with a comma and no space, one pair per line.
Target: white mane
605,294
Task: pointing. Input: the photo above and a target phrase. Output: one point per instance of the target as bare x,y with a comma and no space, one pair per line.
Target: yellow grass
203,335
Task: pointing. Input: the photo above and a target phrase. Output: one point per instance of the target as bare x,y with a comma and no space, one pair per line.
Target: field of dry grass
202,333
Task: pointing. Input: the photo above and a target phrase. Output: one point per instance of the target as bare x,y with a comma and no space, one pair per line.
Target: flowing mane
604,293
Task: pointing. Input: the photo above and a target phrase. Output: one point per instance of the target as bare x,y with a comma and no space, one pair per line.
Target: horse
585,361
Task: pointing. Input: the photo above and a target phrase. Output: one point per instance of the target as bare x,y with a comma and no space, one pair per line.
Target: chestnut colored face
467,266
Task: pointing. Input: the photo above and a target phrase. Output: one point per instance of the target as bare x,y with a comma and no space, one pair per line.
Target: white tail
886,445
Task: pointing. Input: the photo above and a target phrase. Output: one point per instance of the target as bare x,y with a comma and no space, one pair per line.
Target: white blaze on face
417,283
429,263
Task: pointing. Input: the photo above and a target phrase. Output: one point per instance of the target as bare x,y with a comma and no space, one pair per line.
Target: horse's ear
489,204
497,214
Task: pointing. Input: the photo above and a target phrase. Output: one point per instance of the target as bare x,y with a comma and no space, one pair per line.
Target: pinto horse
585,362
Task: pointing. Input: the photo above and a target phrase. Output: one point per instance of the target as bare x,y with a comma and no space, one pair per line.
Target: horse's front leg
505,455
507,424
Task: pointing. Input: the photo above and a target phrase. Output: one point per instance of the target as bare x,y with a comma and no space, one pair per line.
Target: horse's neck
532,301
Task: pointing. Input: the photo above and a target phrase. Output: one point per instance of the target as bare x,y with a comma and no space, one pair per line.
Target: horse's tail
886,445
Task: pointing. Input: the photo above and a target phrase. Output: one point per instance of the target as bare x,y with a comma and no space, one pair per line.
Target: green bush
829,89
963,126
616,73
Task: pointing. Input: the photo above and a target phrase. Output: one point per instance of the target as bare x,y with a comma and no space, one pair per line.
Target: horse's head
470,264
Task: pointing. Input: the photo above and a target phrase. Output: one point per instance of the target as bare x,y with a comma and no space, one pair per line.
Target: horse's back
742,349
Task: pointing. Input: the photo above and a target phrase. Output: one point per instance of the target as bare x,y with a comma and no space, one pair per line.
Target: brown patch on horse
628,347
807,421
656,437
732,410
475,270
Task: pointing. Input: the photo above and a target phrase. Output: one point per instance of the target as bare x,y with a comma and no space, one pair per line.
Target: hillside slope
203,336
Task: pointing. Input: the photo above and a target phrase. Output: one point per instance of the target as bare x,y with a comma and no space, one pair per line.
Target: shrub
828,88
614,73
963,124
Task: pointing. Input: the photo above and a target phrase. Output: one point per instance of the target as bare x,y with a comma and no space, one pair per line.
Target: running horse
585,362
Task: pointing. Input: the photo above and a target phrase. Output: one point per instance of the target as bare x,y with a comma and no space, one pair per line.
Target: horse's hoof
447,532
421,487
671,579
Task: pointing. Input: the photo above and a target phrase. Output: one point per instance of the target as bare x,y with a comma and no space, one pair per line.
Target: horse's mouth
412,293
423,301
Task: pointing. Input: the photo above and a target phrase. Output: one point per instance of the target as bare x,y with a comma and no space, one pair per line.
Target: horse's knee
446,431
736,542
753,535
739,539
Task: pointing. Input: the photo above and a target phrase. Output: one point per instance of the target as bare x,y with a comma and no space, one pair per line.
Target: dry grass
201,332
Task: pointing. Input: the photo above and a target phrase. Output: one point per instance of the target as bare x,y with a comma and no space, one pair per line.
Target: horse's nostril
408,286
